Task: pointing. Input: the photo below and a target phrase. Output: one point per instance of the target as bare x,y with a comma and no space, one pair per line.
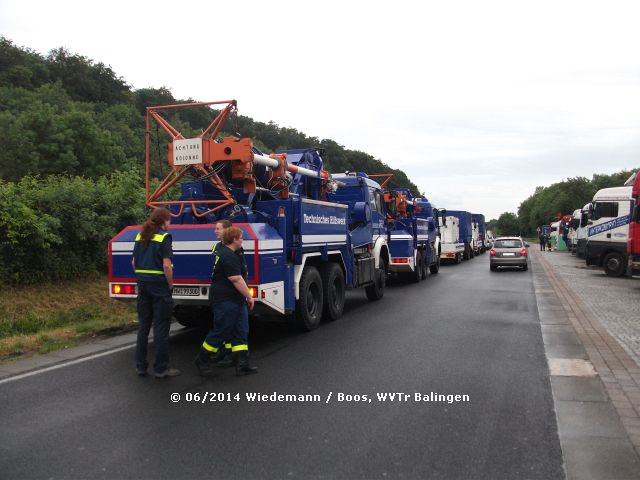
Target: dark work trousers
542,244
231,323
155,305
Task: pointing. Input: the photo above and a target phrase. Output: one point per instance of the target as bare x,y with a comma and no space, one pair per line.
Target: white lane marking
74,362
65,364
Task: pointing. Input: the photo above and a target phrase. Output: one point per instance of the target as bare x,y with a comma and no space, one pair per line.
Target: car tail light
492,252
523,252
451,254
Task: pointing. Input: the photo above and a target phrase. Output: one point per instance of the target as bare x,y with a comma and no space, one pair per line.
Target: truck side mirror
636,214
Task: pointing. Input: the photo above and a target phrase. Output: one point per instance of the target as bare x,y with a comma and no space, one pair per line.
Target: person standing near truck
224,358
543,239
151,263
230,295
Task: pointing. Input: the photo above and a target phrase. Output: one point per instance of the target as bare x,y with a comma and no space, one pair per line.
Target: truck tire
376,290
424,267
458,258
416,275
435,267
309,305
613,264
333,291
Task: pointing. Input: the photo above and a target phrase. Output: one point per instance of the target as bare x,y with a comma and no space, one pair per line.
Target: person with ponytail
151,262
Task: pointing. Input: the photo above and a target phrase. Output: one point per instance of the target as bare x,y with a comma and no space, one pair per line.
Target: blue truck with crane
414,236
308,236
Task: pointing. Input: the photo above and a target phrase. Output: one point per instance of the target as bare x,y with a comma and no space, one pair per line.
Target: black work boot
225,359
203,362
242,363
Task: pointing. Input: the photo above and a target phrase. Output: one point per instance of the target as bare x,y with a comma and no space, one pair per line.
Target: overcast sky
478,102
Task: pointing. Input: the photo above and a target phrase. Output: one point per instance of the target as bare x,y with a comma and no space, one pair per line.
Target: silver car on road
508,252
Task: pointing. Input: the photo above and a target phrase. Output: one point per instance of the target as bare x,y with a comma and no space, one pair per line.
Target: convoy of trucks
606,231
309,235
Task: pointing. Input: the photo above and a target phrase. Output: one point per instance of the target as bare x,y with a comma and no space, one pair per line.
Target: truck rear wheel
424,267
376,290
613,264
416,275
333,291
435,267
309,305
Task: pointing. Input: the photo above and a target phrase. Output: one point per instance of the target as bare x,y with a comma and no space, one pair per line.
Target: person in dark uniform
230,296
543,240
151,262
224,358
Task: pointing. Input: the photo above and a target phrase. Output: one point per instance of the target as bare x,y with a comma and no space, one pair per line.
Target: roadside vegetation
57,315
546,203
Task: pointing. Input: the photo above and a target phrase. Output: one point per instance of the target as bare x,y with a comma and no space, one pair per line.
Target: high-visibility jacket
148,260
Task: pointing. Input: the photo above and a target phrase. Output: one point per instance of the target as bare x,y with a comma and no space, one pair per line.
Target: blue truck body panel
466,221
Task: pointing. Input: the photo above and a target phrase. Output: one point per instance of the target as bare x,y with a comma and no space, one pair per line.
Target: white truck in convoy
581,232
572,237
608,230
451,248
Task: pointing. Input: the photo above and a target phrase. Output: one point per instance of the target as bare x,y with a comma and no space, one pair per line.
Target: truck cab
608,230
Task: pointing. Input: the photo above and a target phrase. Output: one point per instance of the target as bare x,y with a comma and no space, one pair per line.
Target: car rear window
508,244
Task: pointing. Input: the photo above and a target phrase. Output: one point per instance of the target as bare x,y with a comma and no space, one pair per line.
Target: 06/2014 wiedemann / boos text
330,397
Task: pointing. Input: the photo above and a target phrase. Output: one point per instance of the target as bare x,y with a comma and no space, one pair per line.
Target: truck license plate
186,291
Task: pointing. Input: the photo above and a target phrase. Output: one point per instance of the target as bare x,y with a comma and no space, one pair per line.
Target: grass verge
53,316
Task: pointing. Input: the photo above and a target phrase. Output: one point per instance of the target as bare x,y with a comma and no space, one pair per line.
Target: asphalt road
465,331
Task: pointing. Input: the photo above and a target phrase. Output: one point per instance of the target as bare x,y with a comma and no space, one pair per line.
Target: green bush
59,227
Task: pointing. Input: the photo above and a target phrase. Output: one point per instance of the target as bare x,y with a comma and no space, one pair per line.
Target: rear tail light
451,254
118,289
492,252
523,252
253,291
400,260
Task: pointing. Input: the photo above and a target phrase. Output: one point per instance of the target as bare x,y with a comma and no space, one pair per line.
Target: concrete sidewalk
595,381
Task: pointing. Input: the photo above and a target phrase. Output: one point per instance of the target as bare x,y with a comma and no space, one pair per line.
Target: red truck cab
633,243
